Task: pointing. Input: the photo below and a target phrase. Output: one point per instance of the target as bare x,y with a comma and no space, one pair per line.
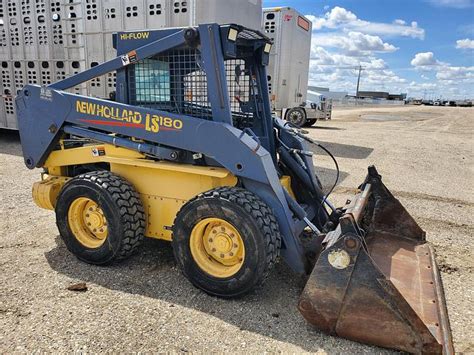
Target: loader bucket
376,280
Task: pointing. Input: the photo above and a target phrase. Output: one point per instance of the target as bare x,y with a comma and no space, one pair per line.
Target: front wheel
100,217
226,241
296,116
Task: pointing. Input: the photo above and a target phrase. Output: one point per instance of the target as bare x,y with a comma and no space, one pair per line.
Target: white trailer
288,70
49,40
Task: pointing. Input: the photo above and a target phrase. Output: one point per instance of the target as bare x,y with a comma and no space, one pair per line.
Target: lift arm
172,41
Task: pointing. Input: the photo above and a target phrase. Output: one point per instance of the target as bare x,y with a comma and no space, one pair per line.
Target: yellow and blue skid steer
187,150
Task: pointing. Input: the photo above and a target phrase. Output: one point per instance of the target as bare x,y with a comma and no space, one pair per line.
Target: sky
424,48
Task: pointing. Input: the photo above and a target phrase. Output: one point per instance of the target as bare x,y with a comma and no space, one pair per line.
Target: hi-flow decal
134,35
121,117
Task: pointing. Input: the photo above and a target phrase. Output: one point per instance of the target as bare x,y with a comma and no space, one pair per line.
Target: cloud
354,44
339,71
457,4
339,17
465,43
426,59
342,42
456,74
447,76
333,19
417,88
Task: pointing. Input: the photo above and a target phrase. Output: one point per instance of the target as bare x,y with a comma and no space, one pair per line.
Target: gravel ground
145,304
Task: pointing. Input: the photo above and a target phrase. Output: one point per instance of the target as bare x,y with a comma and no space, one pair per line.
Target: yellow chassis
164,187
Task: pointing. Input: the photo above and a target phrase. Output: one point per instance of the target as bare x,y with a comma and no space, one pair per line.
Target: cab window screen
152,81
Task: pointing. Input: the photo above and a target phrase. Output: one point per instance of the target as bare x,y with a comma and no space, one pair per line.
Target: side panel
3,115
247,13
289,60
10,112
7,109
164,192
164,187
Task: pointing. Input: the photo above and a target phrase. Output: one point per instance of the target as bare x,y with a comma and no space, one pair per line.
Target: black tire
296,116
253,220
121,207
310,122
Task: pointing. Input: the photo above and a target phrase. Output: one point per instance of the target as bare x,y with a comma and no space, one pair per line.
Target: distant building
318,88
331,95
381,95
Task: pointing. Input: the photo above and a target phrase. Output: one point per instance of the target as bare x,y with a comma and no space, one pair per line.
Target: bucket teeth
376,281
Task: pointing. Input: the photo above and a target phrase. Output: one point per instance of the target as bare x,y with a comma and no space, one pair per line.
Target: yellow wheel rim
217,247
87,222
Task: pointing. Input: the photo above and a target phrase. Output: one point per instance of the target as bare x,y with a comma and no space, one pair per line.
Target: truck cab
320,105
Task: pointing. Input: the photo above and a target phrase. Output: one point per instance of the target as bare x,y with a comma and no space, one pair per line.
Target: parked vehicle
464,103
321,103
288,70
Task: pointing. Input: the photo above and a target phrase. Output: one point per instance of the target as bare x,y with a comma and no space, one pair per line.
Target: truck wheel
296,116
226,241
310,122
100,217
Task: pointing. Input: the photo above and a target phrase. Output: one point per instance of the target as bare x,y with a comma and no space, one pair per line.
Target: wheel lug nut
223,229
214,231
210,240
87,215
236,246
232,235
213,249
222,255
231,254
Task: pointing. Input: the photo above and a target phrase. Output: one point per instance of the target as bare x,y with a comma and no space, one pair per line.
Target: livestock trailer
43,41
288,70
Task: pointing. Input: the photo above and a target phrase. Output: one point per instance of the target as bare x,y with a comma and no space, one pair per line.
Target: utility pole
358,81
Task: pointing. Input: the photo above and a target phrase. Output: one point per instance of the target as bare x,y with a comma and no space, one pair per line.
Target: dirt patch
146,305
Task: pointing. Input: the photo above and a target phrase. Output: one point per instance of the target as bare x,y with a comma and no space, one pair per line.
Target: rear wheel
100,217
226,241
296,116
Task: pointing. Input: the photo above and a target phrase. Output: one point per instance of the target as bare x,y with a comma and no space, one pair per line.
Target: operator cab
176,81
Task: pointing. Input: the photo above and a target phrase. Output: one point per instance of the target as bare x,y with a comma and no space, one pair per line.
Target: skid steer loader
187,151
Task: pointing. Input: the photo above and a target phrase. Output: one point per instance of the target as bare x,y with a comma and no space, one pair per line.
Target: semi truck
288,70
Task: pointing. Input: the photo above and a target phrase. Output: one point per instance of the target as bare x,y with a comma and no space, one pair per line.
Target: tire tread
129,206
260,212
